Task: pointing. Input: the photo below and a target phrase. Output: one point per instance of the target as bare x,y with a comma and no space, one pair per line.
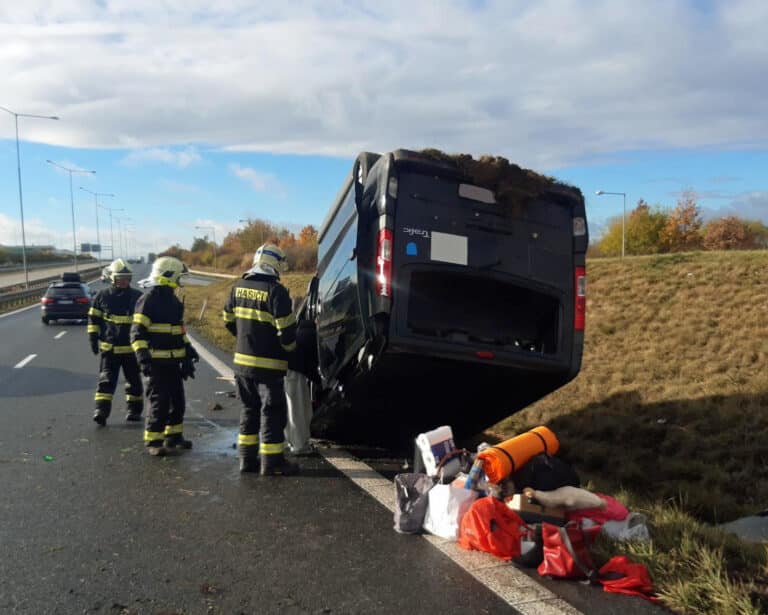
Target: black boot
277,465
100,418
156,449
133,417
249,458
177,441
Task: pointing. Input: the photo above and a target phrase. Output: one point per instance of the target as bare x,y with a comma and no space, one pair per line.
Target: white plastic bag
445,508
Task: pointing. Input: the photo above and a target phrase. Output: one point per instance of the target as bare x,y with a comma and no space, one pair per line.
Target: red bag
566,552
621,576
490,526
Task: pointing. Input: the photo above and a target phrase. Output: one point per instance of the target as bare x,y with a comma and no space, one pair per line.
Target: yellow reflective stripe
186,339
95,312
271,449
172,353
139,344
122,349
133,397
251,314
140,319
105,346
171,430
285,321
248,439
149,436
119,320
103,397
251,361
93,328
227,316
166,328
289,347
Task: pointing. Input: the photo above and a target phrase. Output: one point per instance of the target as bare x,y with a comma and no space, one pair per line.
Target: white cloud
544,83
260,182
180,158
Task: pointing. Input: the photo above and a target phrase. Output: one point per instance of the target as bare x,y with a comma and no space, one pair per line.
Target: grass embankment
669,413
215,295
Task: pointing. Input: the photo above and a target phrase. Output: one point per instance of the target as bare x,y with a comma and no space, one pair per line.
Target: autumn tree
308,236
729,233
682,230
644,228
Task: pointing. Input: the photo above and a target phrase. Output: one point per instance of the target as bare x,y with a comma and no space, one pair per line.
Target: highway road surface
91,524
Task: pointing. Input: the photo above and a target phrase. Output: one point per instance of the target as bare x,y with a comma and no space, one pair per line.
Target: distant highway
17,277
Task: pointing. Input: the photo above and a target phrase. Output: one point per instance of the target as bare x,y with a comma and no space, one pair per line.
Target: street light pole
16,117
96,196
213,229
111,232
72,202
623,216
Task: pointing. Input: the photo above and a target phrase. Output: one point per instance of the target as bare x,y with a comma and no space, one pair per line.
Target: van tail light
580,298
384,264
46,300
82,300
485,354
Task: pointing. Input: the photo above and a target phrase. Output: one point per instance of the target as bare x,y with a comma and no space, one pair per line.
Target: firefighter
259,314
165,356
109,328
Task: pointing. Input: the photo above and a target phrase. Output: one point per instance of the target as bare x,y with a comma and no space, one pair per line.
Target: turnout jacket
158,332
259,314
110,318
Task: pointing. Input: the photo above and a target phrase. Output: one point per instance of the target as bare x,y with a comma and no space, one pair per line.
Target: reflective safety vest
110,318
259,313
158,332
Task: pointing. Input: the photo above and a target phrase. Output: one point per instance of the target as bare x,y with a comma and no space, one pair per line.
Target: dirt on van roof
512,184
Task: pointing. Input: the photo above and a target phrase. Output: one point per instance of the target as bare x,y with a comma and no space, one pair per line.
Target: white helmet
167,271
118,269
272,256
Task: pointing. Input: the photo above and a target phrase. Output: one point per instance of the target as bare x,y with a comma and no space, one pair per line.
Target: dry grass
671,411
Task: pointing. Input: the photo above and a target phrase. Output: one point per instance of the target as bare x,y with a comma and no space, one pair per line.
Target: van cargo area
471,309
449,290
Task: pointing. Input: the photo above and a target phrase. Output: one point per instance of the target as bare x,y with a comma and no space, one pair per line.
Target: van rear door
481,278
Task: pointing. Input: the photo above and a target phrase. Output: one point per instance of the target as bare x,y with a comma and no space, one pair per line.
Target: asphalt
90,524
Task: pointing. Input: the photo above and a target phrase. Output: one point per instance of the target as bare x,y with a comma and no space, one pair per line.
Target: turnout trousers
109,371
263,418
165,393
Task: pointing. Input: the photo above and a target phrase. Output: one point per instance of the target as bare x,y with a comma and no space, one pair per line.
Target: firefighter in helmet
165,356
259,314
109,325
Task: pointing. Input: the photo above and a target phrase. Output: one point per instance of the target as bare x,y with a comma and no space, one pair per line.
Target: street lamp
111,233
623,215
16,117
213,229
96,196
121,230
72,202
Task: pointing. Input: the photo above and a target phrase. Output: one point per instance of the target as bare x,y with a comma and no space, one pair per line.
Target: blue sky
197,115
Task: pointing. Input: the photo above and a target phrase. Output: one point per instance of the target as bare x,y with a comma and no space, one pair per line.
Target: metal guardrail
211,274
20,298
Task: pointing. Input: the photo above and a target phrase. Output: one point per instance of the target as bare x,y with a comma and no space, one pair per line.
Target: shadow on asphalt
48,381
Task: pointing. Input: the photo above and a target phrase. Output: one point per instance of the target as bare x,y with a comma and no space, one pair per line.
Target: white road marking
512,585
60,335
24,309
22,363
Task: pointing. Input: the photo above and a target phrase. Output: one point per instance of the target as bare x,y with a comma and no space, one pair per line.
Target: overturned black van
448,291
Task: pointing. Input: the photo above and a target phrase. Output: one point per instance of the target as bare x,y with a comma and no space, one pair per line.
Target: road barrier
14,299
211,274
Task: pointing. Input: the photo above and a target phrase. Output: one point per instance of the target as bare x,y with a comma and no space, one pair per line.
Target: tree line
656,230
235,253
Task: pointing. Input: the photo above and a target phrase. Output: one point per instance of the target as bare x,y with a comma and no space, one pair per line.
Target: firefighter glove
187,368
94,344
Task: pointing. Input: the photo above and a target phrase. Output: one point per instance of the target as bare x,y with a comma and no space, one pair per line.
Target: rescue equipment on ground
503,459
491,527
411,499
434,446
446,506
532,512
571,498
566,552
